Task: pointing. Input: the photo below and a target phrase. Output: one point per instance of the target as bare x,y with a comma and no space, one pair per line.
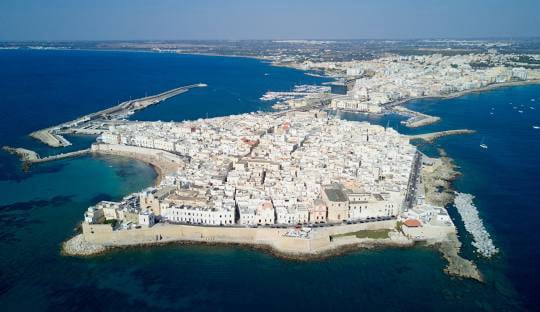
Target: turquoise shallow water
38,210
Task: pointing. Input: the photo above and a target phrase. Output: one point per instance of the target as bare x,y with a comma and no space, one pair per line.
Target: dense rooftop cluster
273,168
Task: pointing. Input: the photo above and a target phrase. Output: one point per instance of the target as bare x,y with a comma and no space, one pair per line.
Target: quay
48,137
52,136
416,119
430,137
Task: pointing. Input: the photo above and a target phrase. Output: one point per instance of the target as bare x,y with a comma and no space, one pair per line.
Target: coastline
314,243
465,92
361,270
399,107
161,162
161,171
94,250
438,182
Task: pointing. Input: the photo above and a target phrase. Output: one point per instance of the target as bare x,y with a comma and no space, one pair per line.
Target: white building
197,215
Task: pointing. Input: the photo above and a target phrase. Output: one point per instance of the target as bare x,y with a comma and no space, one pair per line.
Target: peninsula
299,181
303,184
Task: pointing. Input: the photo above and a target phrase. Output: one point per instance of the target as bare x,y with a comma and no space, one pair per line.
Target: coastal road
410,197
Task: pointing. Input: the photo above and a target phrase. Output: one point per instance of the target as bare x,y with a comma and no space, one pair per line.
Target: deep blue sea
41,208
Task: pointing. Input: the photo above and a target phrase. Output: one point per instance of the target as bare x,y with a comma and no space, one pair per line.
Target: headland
301,182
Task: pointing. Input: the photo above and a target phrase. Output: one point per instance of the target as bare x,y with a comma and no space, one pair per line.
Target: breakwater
23,153
474,225
416,119
61,156
93,123
33,157
430,137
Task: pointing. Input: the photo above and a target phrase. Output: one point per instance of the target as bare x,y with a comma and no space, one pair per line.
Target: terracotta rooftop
412,223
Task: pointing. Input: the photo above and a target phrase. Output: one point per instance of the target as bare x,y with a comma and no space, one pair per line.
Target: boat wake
474,225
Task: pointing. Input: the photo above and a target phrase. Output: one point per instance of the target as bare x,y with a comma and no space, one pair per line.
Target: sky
271,19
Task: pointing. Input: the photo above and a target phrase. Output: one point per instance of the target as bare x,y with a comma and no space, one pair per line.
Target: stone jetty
474,225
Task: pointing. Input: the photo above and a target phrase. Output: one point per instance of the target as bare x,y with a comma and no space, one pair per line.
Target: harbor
93,124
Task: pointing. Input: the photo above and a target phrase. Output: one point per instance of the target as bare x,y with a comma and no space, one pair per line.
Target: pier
128,107
430,137
416,119
32,157
87,124
60,156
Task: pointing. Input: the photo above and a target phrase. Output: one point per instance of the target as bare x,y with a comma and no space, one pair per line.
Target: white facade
292,215
197,215
146,219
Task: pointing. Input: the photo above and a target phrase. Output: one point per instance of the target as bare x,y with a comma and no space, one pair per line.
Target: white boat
482,144
536,127
520,111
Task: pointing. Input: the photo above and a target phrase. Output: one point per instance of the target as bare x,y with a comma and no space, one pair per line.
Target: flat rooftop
335,195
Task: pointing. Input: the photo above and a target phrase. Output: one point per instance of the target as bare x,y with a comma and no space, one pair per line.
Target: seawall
318,244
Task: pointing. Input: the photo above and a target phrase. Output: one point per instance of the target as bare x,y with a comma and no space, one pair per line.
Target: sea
41,208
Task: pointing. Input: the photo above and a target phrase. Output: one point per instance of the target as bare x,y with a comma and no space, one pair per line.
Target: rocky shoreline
474,225
457,265
438,179
78,246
